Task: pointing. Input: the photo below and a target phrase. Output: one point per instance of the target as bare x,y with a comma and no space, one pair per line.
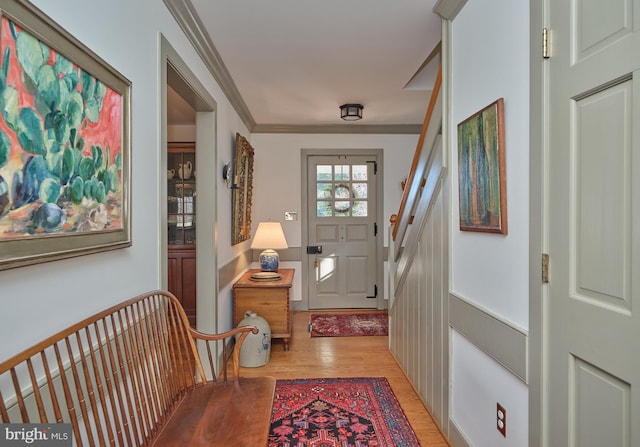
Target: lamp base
269,260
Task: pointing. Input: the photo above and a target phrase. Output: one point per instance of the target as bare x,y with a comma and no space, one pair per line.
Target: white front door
342,231
592,311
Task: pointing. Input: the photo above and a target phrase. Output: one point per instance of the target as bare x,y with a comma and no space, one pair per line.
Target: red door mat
348,324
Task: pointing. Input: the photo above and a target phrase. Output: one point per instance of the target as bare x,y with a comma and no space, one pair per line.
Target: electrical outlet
501,419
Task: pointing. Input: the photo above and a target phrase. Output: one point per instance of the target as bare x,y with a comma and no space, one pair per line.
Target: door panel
592,318
181,279
593,390
603,190
357,272
342,220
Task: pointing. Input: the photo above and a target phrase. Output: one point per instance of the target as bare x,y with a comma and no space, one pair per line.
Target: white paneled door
592,317
342,231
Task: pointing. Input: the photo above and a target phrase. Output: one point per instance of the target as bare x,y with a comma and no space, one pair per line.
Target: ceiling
294,62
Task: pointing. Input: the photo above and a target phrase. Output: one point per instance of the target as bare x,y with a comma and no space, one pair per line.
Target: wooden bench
132,376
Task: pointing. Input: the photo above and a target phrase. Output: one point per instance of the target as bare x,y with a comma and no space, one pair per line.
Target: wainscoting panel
419,337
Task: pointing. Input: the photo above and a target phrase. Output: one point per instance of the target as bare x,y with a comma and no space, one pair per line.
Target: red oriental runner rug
353,412
348,325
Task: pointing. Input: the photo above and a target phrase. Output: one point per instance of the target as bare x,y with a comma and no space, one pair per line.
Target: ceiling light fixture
351,112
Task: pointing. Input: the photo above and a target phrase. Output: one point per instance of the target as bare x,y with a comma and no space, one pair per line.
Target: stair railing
419,188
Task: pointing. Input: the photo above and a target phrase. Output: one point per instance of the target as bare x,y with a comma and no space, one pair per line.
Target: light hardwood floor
347,357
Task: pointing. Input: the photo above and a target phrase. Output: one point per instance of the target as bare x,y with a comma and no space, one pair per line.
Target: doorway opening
189,112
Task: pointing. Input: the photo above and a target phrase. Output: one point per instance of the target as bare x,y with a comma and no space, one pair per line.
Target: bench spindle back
115,376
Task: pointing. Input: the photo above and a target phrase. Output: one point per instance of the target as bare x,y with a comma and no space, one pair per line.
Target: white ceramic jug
185,170
256,349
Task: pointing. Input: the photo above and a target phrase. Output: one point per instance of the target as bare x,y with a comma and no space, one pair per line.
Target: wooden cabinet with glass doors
181,223
181,194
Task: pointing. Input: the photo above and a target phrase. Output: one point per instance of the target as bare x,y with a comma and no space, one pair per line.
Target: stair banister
431,128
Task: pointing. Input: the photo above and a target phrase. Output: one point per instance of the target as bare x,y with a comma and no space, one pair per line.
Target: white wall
488,65
280,153
277,176
39,300
181,132
490,60
479,383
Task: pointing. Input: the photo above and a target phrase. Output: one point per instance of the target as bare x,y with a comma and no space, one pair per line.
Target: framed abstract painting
481,171
64,143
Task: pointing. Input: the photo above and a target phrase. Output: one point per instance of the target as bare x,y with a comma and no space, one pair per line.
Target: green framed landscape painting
481,171
64,143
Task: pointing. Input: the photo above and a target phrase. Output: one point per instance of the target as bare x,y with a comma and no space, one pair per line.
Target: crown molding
186,17
449,9
339,128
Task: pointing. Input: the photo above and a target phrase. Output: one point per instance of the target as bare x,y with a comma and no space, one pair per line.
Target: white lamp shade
269,235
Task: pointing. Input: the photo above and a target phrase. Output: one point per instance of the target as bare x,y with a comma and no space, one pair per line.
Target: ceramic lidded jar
256,349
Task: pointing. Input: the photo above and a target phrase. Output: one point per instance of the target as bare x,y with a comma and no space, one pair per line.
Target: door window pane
359,190
359,172
323,190
324,172
342,208
360,209
324,209
342,172
342,191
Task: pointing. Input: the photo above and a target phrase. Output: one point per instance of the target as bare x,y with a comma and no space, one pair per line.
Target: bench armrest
232,341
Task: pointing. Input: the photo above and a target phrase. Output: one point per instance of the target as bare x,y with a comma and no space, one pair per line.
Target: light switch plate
290,215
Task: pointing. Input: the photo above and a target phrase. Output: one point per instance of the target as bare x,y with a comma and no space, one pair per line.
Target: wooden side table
268,299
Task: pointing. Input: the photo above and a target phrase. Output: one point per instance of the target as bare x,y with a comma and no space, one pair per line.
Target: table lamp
269,237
